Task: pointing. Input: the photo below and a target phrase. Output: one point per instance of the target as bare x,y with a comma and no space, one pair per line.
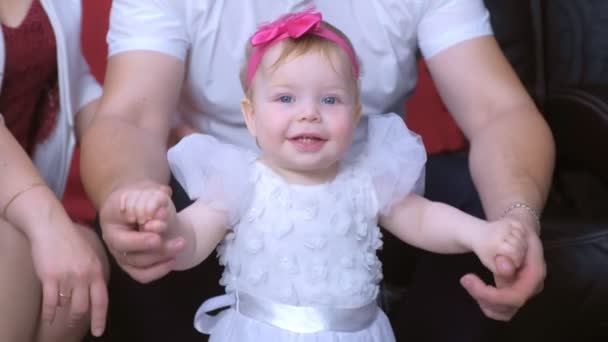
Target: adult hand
145,256
71,274
514,286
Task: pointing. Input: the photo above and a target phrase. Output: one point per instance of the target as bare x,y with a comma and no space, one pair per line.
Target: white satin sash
298,319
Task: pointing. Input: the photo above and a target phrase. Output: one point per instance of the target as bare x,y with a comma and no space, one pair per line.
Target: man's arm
126,145
511,158
512,151
127,140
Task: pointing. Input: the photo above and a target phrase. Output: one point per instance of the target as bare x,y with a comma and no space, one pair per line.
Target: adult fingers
149,258
529,277
99,306
50,300
488,298
145,259
80,301
536,259
498,313
508,295
126,240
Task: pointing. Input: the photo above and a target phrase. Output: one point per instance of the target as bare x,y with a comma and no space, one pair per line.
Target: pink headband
293,26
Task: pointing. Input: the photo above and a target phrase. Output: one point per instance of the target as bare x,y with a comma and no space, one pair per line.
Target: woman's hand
71,273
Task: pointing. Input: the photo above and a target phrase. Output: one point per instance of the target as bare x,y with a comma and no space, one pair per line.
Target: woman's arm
17,175
63,258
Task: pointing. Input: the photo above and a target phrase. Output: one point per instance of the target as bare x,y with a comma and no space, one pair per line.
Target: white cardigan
77,88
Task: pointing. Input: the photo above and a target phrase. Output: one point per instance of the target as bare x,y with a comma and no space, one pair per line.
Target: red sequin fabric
29,99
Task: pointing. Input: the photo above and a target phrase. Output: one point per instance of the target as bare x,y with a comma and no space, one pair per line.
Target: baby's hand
505,237
150,207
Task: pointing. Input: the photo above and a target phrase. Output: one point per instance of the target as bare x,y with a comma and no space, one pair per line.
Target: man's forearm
512,160
116,152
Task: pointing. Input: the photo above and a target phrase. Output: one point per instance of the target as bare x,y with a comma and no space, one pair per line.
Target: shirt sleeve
154,25
89,89
445,23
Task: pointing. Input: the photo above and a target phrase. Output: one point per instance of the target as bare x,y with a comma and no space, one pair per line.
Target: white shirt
211,36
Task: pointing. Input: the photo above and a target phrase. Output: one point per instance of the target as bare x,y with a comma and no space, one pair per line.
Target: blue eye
286,99
329,100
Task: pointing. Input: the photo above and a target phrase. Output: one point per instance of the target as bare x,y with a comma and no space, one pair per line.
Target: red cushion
428,116
94,28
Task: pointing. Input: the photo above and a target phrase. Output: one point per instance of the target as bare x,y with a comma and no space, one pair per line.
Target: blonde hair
298,47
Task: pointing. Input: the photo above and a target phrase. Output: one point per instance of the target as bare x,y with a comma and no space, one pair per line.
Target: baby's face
303,113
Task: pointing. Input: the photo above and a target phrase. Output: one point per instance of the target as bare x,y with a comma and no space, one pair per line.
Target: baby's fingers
514,249
156,201
129,203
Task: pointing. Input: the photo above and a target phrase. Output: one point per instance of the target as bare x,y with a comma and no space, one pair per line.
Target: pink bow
292,25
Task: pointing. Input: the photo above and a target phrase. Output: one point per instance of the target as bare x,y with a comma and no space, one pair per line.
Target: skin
304,103
511,159
42,252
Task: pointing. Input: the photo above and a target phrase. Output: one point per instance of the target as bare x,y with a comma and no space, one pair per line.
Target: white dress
301,245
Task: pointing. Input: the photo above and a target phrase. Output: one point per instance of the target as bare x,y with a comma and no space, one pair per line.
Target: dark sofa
559,48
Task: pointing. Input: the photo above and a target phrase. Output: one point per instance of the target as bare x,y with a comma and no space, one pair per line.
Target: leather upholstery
560,51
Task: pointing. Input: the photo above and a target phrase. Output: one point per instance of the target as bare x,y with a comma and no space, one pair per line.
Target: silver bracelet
521,205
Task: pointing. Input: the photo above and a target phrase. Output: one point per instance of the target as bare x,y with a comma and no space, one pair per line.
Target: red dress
29,99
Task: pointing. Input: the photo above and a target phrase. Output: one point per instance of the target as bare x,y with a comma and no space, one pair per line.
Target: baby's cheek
344,133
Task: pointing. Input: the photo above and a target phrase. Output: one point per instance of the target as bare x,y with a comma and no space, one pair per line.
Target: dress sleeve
154,25
394,157
217,173
444,23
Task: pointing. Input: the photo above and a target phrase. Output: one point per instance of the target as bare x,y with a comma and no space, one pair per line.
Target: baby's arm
440,228
201,226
